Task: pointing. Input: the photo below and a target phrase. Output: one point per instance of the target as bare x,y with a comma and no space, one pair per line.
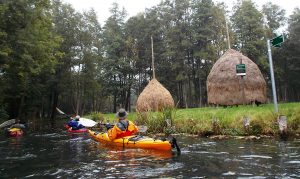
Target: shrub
294,120
97,116
157,121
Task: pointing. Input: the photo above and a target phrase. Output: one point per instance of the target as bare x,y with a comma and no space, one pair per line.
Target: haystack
224,87
154,97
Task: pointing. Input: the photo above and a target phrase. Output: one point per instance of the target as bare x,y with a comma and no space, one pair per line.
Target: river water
56,154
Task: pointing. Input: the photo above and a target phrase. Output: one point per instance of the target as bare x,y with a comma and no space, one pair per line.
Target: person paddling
123,128
16,129
74,124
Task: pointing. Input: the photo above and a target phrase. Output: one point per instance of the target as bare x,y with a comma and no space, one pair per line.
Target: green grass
223,121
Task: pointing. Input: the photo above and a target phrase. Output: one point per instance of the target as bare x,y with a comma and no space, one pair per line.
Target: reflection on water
129,162
120,153
52,154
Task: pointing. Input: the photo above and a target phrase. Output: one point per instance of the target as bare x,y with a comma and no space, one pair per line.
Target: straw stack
224,86
155,97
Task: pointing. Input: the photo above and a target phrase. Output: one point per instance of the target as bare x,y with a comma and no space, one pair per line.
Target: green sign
276,42
241,69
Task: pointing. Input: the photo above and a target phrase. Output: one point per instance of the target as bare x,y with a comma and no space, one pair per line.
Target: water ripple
154,172
229,173
293,162
22,157
51,135
256,156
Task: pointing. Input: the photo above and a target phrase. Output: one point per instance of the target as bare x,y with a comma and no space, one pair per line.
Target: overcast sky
135,6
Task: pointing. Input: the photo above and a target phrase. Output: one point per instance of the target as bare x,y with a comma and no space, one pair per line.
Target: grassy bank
229,121
220,121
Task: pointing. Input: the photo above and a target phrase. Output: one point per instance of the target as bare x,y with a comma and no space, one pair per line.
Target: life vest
124,134
122,129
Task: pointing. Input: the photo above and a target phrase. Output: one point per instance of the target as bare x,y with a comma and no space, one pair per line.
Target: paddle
84,121
87,122
8,123
62,113
91,123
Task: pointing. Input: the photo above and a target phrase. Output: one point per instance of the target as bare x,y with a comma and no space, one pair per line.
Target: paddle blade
60,111
87,122
8,123
142,129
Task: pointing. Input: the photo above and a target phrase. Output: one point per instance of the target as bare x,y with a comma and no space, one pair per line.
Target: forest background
52,55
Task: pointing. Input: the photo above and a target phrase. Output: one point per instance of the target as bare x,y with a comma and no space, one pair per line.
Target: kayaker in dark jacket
75,124
16,129
18,125
123,128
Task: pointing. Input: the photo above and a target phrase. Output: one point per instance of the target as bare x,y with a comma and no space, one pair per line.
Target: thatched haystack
224,87
154,97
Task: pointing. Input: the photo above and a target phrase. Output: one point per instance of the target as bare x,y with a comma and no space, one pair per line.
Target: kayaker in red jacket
123,128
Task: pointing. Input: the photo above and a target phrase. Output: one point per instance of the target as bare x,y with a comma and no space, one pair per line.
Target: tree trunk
115,103
54,105
200,93
185,94
127,103
180,94
20,109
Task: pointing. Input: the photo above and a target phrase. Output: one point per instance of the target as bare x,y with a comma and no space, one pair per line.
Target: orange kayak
136,141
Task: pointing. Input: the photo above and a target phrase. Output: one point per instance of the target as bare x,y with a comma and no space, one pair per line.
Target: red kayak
69,129
15,132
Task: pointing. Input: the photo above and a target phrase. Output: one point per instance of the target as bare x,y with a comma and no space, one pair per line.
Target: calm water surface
56,154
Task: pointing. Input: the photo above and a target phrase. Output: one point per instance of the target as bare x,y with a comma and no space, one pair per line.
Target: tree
274,16
114,64
29,54
209,34
287,61
77,85
247,24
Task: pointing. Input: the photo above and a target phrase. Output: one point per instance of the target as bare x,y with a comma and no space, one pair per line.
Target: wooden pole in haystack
227,32
154,97
153,70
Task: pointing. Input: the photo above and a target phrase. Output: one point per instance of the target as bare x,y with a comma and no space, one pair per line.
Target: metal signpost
276,42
